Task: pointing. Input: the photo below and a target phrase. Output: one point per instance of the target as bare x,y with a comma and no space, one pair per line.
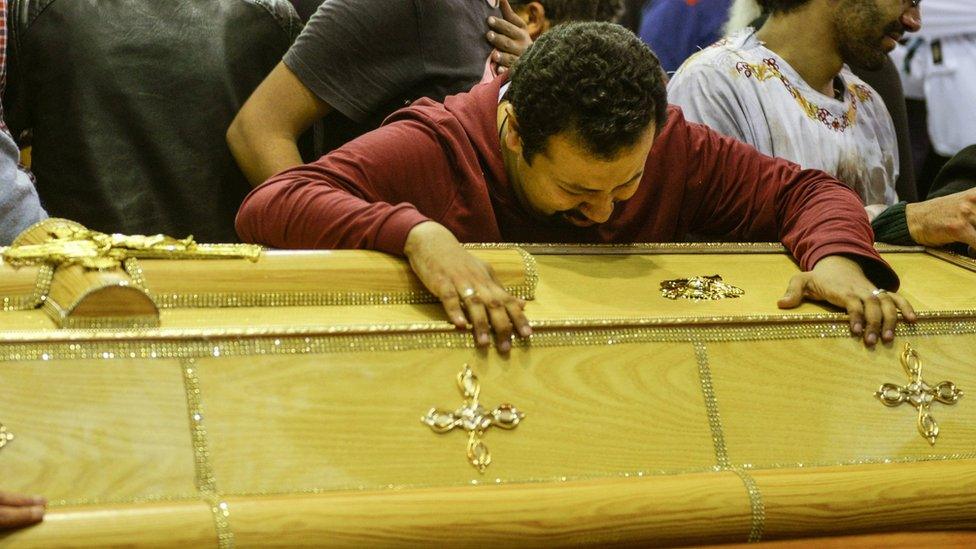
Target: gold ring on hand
468,293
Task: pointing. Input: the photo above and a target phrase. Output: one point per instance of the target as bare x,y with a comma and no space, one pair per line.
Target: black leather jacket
128,101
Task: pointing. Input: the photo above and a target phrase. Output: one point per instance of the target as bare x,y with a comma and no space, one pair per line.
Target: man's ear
534,15
513,139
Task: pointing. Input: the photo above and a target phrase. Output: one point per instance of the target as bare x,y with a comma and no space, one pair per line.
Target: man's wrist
913,222
422,234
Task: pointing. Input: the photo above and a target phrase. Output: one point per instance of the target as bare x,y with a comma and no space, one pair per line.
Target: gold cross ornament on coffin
5,436
66,243
919,394
473,418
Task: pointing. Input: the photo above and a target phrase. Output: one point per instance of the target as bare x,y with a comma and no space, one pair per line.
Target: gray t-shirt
367,58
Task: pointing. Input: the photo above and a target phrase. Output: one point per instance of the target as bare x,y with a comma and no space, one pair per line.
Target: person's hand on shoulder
841,281
19,511
944,220
509,36
466,286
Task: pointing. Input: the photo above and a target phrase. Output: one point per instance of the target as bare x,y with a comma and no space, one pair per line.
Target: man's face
567,184
868,29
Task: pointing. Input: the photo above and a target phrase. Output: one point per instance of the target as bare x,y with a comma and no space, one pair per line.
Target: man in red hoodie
579,146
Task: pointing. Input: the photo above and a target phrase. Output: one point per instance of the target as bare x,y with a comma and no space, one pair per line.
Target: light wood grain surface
617,287
813,400
171,524
17,282
352,420
307,271
96,429
870,498
622,287
666,510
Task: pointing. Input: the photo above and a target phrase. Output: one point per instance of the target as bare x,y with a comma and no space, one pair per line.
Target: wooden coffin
642,419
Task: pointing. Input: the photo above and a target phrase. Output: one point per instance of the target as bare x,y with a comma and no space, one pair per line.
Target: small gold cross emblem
5,436
919,394
473,418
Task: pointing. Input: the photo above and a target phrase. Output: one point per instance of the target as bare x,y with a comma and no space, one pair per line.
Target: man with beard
786,89
578,146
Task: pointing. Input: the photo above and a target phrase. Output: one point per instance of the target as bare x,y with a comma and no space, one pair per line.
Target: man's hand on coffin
466,286
944,220
17,511
841,281
509,36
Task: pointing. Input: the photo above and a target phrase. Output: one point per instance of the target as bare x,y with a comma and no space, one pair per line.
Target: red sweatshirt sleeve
751,196
368,194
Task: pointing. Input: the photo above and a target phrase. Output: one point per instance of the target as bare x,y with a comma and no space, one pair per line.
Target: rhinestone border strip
134,269
178,344
205,478
42,286
756,505
649,248
757,509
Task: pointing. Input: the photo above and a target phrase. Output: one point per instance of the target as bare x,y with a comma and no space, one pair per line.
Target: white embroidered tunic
744,90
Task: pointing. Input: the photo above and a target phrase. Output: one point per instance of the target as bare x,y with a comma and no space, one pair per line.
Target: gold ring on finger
468,293
878,292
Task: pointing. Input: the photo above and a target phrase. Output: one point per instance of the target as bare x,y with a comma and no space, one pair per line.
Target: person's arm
947,217
367,194
354,56
391,190
264,135
18,511
750,196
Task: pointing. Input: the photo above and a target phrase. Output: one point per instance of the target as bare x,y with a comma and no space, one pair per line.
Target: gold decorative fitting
919,394
5,435
699,288
473,418
67,243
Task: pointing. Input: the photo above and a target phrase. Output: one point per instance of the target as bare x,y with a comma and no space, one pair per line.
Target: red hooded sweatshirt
443,162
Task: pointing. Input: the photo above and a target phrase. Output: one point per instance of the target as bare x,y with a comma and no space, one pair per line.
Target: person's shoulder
451,13
332,15
724,53
676,131
862,91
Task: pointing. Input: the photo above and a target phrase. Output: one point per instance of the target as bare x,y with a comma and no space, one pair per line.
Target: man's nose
912,19
598,209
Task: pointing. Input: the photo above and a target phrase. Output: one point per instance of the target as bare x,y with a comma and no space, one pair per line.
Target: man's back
743,89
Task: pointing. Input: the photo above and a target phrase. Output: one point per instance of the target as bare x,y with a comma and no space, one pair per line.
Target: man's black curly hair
780,6
596,79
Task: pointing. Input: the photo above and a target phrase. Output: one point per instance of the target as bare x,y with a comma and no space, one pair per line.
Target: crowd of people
413,126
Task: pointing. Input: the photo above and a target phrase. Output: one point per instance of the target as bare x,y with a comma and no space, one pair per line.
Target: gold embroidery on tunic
769,68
